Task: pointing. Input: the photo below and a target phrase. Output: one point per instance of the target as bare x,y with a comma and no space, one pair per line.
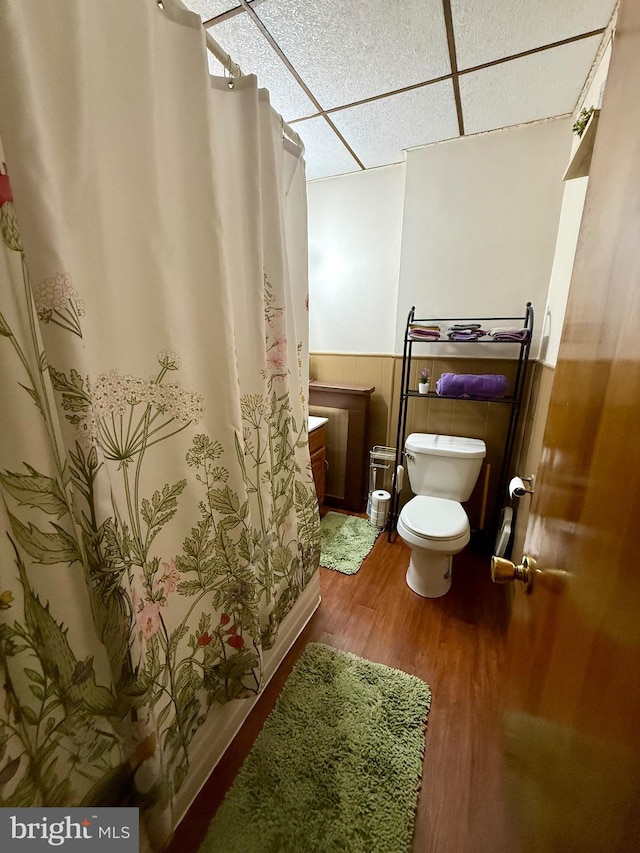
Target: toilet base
429,573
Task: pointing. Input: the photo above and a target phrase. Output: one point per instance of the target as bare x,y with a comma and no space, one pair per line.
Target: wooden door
572,718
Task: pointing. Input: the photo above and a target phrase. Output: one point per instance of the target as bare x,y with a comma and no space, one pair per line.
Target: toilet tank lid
446,445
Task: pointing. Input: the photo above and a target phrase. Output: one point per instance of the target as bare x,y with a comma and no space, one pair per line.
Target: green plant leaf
175,638
244,547
190,587
4,327
34,676
29,715
60,794
224,500
226,558
33,396
162,508
92,459
35,489
99,750
9,771
49,548
59,663
24,795
232,670
74,396
280,561
162,716
199,550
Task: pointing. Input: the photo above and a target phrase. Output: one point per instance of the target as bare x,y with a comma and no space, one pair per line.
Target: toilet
443,470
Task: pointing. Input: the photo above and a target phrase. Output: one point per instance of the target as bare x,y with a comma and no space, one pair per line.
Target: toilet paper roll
379,507
517,488
380,499
379,520
381,515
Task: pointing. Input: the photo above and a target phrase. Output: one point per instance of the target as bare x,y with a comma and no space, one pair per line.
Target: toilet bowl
442,471
435,529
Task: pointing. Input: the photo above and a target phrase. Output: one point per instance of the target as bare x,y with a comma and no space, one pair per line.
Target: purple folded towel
483,386
471,335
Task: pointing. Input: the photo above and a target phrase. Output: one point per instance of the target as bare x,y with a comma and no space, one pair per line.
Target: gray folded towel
522,336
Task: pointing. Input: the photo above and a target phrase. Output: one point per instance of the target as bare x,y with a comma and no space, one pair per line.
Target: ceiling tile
380,130
535,87
354,49
492,29
324,155
208,9
245,44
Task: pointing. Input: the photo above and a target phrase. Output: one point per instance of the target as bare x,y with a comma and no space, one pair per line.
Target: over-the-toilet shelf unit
524,321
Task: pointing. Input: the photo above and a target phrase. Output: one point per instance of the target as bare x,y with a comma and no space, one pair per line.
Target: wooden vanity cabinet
348,484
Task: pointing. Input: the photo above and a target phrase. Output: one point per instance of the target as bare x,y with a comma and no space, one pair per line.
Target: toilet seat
435,519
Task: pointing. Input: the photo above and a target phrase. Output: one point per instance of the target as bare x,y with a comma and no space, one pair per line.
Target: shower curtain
158,519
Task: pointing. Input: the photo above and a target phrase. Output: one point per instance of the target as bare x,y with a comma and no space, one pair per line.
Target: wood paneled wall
473,419
534,418
351,369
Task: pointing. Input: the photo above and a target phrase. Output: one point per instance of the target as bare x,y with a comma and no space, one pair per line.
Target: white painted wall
466,227
480,223
568,229
355,229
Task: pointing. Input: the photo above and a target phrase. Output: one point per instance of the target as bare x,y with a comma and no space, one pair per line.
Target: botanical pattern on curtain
176,633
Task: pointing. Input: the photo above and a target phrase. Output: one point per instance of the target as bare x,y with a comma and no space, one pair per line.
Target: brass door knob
504,571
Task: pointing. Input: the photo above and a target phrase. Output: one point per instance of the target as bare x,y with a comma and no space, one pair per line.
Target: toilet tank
444,466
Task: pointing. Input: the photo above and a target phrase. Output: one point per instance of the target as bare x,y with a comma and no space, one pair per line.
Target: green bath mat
345,542
337,766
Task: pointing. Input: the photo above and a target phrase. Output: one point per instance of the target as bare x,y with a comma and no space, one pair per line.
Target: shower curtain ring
231,82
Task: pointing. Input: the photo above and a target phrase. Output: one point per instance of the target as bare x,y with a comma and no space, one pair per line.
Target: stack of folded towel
504,333
423,332
481,386
465,332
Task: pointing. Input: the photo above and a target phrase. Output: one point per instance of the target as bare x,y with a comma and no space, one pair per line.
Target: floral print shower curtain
158,519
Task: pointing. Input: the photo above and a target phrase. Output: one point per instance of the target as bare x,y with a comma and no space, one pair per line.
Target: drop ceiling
362,81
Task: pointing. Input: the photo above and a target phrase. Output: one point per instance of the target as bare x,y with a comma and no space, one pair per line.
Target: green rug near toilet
337,766
345,540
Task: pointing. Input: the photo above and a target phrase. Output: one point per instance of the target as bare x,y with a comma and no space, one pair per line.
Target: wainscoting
473,419
532,433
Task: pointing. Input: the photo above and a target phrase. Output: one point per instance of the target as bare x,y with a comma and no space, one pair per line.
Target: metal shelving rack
515,400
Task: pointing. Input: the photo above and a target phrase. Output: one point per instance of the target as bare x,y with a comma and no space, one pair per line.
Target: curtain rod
235,71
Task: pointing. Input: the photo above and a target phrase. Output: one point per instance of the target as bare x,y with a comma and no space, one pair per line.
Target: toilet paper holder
520,486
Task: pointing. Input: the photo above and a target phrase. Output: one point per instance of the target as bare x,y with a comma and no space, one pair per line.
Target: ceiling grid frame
251,8
265,32
451,43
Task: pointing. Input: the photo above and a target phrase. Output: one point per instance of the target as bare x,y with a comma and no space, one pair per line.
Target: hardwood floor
456,644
